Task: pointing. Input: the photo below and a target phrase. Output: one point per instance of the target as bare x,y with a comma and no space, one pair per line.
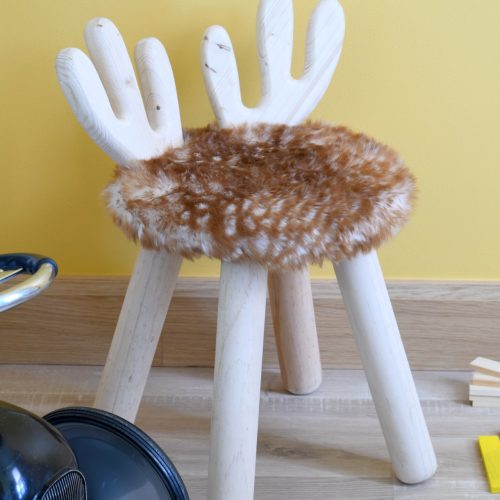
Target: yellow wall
421,75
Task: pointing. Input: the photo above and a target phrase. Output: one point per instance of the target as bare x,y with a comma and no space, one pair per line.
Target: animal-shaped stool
265,194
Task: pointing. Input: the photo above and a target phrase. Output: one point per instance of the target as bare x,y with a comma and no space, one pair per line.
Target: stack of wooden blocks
484,389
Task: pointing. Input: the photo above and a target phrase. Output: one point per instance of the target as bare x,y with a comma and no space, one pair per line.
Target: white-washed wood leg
387,370
292,307
237,375
137,333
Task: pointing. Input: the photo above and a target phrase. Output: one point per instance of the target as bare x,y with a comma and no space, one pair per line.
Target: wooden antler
284,98
104,94
129,123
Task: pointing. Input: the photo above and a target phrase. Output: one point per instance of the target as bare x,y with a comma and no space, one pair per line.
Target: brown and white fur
282,196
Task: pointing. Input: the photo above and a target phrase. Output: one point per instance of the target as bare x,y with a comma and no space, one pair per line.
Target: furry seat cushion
283,196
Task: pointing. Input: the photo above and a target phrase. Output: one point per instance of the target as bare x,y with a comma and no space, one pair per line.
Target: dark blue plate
118,460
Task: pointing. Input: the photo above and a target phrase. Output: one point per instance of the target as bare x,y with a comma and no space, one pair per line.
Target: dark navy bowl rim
130,433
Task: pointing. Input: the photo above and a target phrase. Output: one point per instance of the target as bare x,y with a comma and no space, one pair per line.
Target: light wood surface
296,338
137,333
485,401
105,97
485,380
73,321
486,366
284,100
384,360
237,375
327,445
481,390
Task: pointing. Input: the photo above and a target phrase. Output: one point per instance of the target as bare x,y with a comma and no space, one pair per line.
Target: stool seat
282,196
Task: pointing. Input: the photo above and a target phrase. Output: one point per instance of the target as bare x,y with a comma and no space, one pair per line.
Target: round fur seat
282,196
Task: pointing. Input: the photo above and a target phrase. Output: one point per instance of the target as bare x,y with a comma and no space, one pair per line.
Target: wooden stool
133,125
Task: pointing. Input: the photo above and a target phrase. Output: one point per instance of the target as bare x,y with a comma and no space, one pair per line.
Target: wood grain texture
327,445
237,381
137,333
443,325
377,336
486,366
128,121
485,380
294,324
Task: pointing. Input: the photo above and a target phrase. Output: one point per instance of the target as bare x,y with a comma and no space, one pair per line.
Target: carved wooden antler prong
284,98
127,121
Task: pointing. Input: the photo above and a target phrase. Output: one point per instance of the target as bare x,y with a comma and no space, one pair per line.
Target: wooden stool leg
137,333
294,323
387,370
238,366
